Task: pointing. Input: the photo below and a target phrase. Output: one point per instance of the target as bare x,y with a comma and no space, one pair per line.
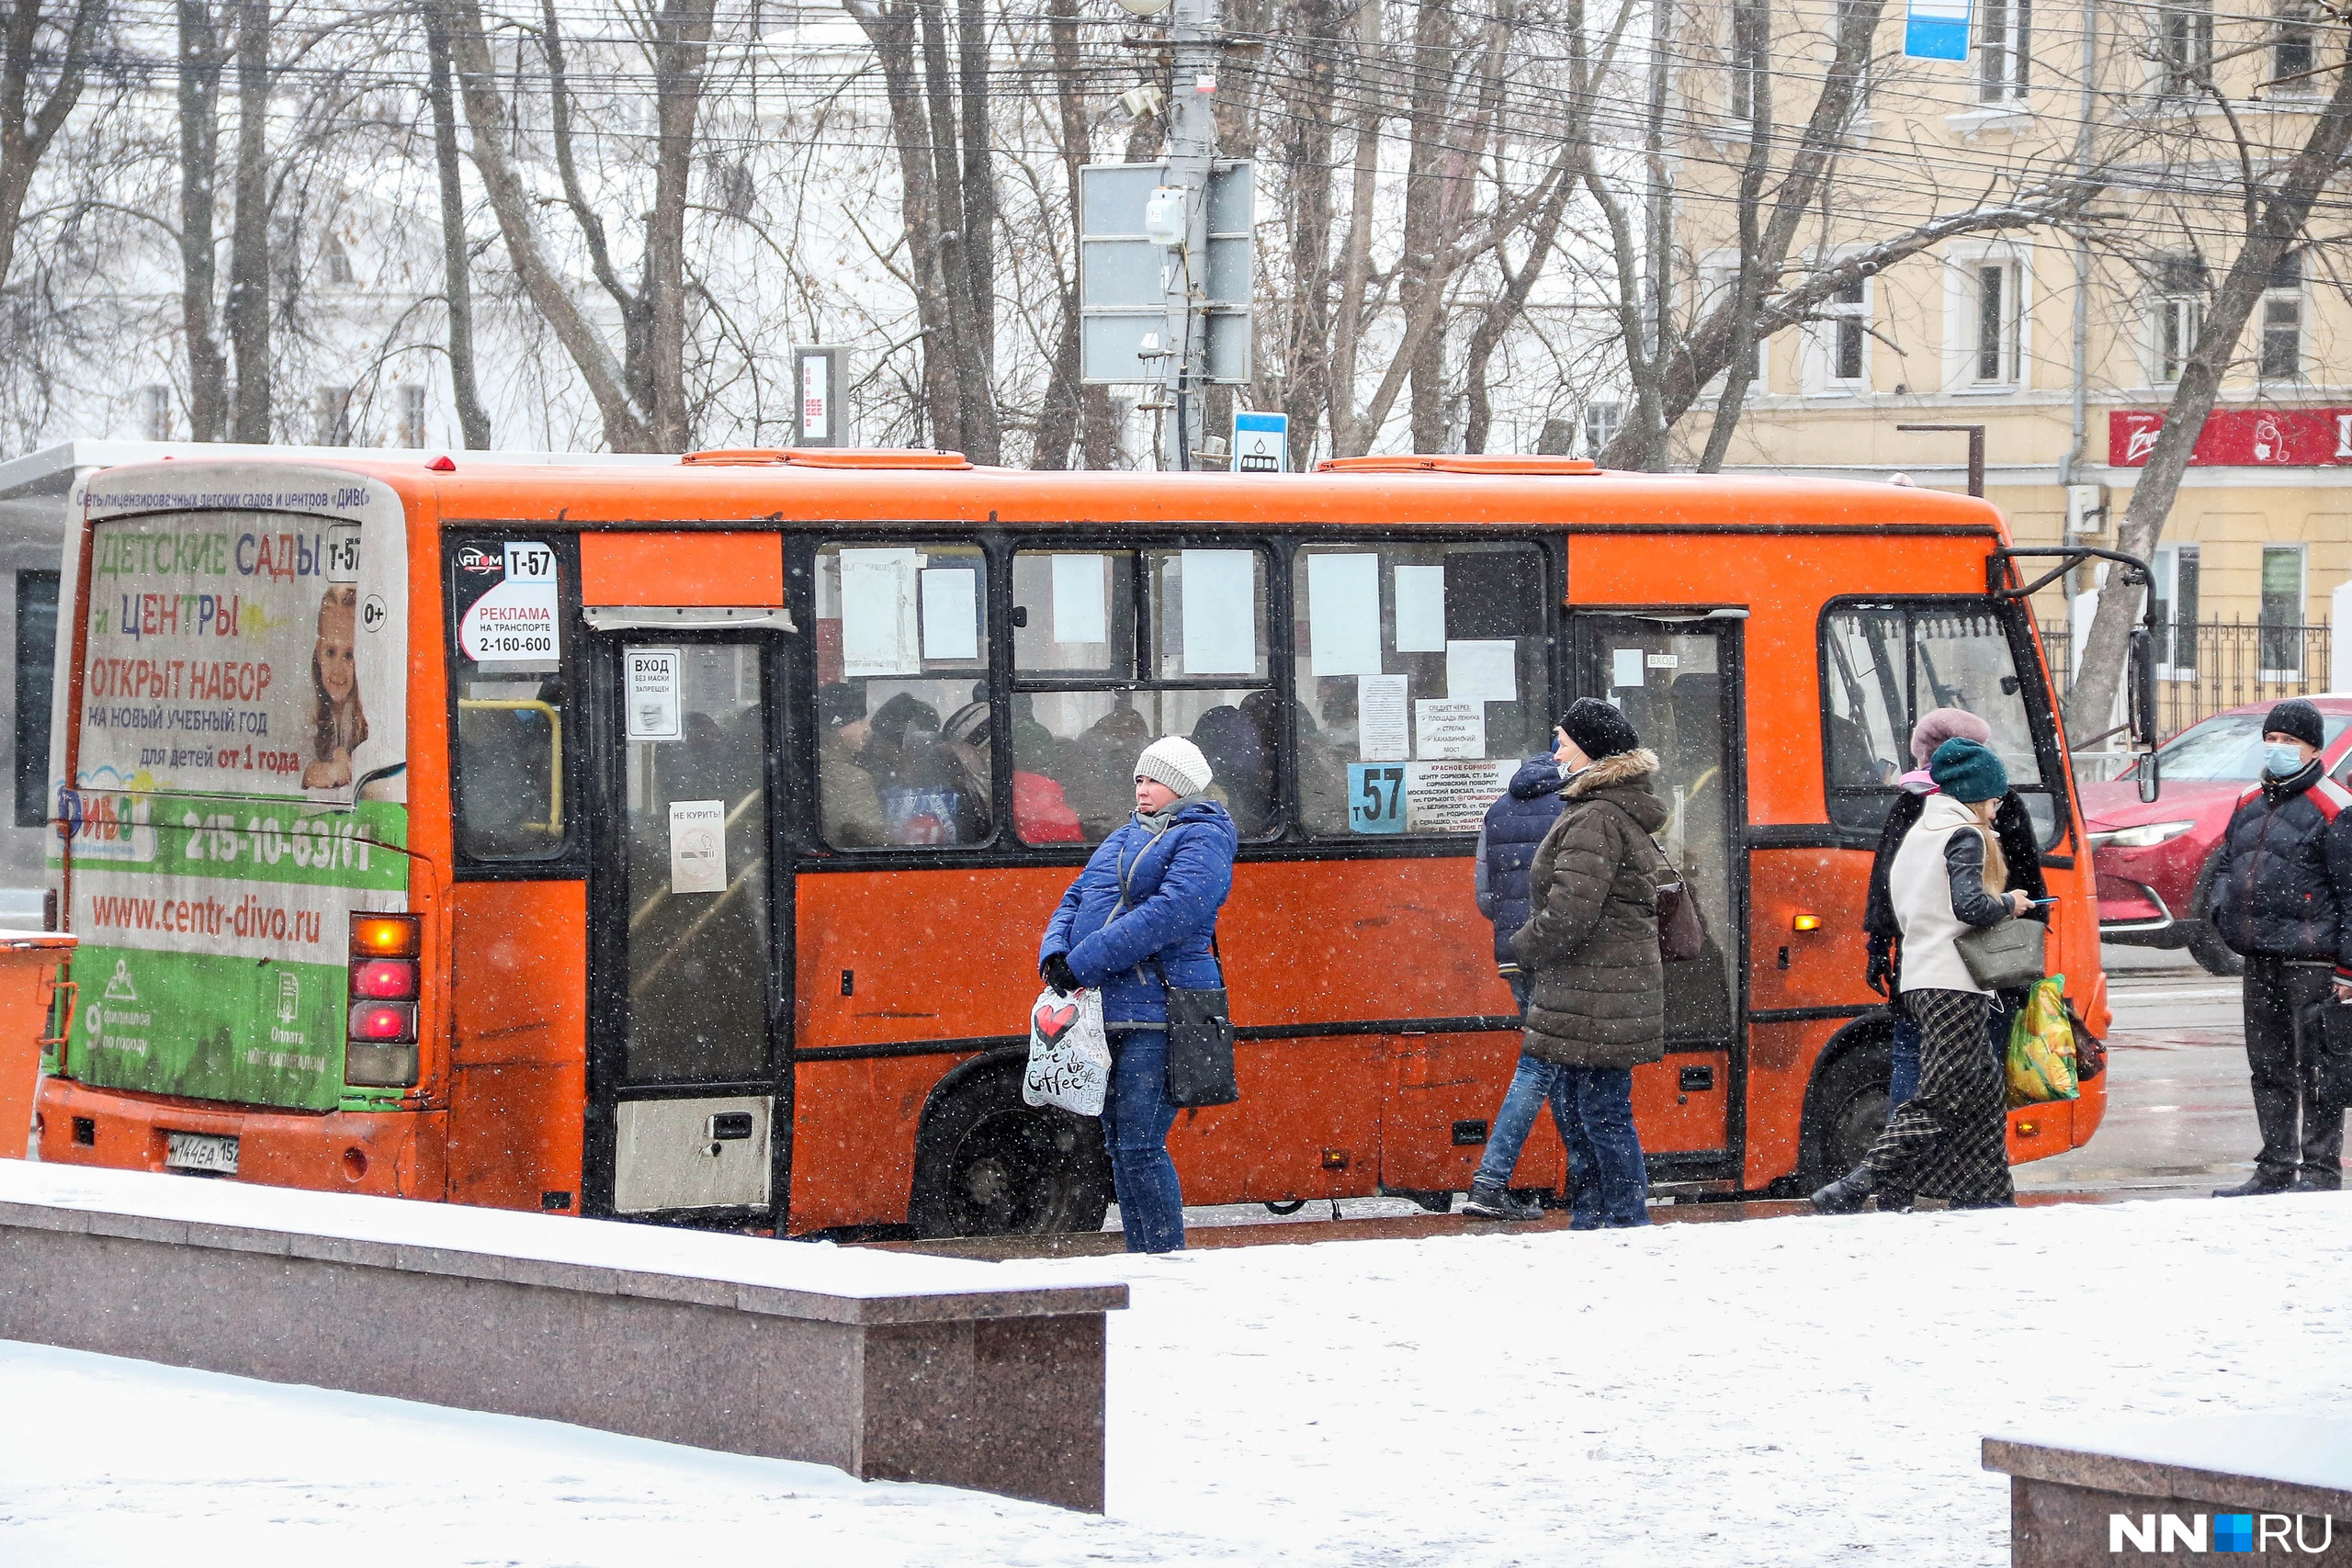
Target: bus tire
986,1164
1846,1106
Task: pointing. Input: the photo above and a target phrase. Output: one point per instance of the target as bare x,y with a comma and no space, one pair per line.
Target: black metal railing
2215,666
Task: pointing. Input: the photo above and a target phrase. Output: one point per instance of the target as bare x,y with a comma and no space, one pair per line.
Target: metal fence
2215,666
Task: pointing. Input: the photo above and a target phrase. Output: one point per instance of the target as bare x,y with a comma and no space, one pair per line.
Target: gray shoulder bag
1200,1032
2006,957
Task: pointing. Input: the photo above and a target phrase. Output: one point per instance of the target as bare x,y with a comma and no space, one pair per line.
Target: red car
2155,861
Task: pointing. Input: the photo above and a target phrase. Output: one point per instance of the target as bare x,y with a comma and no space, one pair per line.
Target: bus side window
1114,649
514,703
903,728
1424,679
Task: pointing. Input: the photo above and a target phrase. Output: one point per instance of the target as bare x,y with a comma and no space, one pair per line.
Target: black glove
1055,969
1882,967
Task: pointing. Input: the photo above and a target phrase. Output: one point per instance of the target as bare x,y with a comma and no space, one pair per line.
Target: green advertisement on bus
239,784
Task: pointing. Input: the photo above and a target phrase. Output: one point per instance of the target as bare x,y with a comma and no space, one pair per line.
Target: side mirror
2151,776
2140,672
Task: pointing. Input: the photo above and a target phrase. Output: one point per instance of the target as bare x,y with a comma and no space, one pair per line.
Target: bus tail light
380,1047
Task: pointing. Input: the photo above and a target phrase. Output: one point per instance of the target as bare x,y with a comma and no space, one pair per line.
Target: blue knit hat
1968,772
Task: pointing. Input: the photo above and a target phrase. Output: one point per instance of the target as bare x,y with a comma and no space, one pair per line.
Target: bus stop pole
1975,433
1191,146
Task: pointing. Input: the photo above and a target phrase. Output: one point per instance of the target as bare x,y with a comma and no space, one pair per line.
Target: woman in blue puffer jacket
1141,918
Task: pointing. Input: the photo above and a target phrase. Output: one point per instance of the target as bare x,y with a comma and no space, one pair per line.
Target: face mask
2281,760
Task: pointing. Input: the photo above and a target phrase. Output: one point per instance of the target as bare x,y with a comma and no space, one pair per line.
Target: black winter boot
1493,1201
2263,1182
1848,1194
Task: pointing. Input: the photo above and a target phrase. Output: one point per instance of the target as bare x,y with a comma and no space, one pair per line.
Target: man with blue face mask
2282,895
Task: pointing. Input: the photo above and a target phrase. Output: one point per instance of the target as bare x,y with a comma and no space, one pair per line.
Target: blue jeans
1135,1118
1593,1108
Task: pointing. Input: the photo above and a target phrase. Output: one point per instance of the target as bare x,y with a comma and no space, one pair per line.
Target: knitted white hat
1176,762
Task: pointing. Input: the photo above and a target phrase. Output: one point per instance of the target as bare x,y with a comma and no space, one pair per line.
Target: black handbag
1200,1048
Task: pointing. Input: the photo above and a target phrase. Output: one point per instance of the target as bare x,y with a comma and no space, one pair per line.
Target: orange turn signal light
1806,923
2028,1129
385,936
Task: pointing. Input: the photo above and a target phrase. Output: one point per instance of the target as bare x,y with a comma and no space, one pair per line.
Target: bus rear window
509,667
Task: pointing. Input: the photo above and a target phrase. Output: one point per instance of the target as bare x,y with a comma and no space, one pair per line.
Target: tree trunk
892,33
26,129
1305,147
1429,164
1752,54
980,178
625,429
2280,218
248,311
1349,437
1061,418
457,267
199,132
681,49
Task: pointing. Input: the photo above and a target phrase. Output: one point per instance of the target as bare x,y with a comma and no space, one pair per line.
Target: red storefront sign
2262,439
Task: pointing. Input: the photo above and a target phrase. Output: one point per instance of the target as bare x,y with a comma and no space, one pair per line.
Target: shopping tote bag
1070,1056
2041,1048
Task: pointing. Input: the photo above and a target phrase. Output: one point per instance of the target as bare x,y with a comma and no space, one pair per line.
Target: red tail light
384,1023
383,980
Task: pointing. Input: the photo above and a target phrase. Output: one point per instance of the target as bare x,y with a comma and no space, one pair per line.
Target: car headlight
2146,836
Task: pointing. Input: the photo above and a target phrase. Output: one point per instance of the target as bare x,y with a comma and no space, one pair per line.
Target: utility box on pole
820,411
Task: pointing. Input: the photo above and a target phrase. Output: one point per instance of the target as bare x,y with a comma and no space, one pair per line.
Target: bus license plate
200,1151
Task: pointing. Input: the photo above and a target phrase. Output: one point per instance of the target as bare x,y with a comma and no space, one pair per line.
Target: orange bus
673,841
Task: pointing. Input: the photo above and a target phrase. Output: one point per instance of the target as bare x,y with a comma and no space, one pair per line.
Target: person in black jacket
1515,825
2282,895
2020,847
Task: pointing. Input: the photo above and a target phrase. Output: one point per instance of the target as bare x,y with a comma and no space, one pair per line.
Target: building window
411,416
2178,314
2281,354
2282,611
2004,49
35,656
1849,311
1751,53
336,262
331,416
2294,55
2177,571
1994,315
156,412
2184,45
1602,423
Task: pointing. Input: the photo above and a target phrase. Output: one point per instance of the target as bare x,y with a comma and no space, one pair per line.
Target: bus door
1677,679
690,1098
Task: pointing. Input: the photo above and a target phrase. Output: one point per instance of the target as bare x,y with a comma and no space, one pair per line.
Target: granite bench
2152,1490
887,1366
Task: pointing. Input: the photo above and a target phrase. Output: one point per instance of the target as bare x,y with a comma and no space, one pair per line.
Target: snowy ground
1803,1391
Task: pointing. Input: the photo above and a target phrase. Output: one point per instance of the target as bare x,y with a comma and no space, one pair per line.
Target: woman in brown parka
1596,1007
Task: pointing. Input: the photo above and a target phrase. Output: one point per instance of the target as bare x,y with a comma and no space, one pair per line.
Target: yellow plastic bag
2042,1047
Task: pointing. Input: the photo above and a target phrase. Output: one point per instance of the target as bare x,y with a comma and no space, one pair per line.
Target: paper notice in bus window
697,846
1343,614
651,694
1220,617
879,636
1380,718
1482,671
1081,598
951,613
1625,667
1420,609
1450,729
1453,796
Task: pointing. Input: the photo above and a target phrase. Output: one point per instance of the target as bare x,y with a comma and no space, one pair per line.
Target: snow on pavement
1799,1392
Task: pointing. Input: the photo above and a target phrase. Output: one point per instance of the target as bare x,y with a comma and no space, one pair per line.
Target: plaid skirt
1951,1139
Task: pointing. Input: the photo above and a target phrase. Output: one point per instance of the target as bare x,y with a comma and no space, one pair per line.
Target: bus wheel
1847,1112
986,1164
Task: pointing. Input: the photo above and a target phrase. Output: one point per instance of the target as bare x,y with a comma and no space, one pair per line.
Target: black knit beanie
2298,718
1599,728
